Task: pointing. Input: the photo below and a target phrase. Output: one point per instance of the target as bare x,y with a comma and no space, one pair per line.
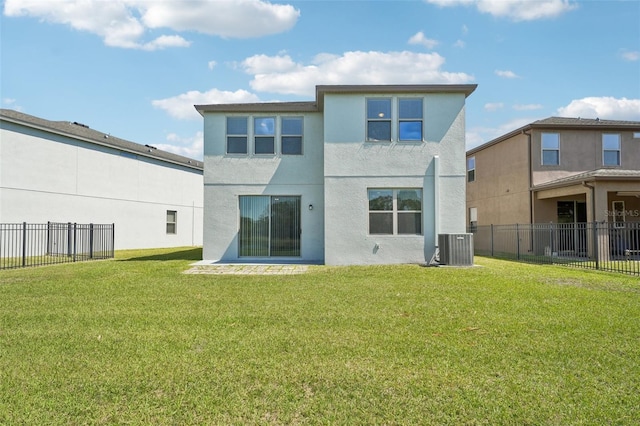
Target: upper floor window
237,135
611,149
410,119
550,149
291,135
379,119
264,131
395,211
471,169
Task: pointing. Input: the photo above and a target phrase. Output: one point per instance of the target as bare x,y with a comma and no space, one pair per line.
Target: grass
135,341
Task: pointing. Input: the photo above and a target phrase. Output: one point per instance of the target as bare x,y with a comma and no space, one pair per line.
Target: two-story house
557,175
364,174
561,170
61,171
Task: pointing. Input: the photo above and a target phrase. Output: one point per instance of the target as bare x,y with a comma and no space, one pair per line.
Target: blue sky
134,68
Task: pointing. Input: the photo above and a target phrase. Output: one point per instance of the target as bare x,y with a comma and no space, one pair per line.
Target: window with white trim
395,211
611,149
550,149
291,135
172,222
264,135
237,135
471,169
473,219
410,118
379,119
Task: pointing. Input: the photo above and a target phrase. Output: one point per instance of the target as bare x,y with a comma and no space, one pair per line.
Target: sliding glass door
269,226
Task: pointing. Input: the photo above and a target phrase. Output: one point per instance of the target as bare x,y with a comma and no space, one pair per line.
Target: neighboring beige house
561,170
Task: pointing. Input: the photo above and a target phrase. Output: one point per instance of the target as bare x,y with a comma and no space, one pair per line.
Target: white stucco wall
48,177
227,177
353,165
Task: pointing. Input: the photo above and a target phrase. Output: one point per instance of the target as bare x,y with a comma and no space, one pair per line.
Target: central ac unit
456,249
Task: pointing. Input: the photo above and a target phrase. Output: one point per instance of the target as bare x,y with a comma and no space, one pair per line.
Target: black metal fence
602,245
28,244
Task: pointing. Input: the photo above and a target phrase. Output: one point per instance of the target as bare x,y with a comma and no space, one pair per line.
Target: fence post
24,244
596,252
492,240
91,241
517,241
113,239
552,240
75,246
69,239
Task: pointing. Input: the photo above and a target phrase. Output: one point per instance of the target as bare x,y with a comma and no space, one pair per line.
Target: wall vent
456,249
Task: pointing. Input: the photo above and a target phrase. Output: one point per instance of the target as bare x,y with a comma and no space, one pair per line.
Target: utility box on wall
456,249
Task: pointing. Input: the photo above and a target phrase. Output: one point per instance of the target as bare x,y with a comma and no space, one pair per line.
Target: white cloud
517,10
630,55
124,23
225,18
279,74
527,107
478,135
506,74
419,38
493,106
459,43
181,106
11,104
212,64
191,147
603,107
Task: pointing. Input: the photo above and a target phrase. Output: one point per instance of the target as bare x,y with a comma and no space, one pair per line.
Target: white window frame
172,223
237,135
285,135
409,119
618,150
543,148
379,119
257,135
473,219
395,212
470,169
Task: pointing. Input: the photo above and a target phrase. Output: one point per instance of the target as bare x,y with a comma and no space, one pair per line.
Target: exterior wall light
310,206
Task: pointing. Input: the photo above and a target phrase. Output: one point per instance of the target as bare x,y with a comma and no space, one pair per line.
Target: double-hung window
237,135
410,119
264,131
471,169
395,211
550,149
611,149
379,119
291,136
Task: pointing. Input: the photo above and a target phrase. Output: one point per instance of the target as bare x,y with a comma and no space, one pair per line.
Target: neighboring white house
58,171
362,175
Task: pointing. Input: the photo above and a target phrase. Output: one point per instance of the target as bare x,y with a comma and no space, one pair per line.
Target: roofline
310,106
190,163
579,179
623,125
321,90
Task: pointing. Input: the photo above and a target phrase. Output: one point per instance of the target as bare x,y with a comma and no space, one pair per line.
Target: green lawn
135,341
